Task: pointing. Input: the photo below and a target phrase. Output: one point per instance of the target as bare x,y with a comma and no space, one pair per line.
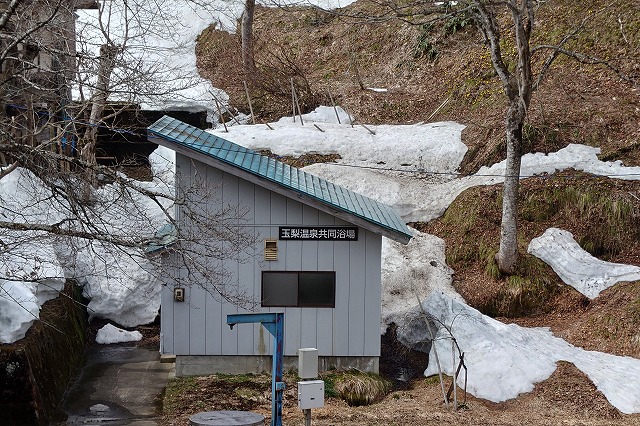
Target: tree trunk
99,101
108,55
507,255
246,29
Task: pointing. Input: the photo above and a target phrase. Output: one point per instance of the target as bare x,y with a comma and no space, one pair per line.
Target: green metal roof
181,135
164,238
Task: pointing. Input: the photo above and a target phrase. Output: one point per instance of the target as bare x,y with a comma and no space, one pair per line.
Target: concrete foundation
200,365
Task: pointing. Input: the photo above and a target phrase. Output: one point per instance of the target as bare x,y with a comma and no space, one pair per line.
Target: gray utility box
308,363
311,394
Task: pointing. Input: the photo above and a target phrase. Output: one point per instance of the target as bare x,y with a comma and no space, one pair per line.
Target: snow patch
112,334
505,360
576,267
435,147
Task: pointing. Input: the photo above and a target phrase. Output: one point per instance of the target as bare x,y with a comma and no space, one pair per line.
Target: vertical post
334,106
307,416
274,323
277,384
455,375
221,117
293,100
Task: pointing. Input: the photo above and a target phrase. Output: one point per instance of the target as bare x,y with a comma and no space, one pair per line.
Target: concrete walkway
119,385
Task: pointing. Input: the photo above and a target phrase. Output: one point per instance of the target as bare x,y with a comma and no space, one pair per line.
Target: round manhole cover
227,418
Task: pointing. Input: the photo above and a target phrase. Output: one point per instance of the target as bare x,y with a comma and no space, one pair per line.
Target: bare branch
591,60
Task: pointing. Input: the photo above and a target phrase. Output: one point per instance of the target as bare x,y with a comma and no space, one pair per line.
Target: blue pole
274,323
277,385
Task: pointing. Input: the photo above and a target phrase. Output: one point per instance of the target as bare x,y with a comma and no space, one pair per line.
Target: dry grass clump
357,388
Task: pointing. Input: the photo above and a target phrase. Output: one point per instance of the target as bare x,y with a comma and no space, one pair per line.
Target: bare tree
518,86
247,38
497,20
59,197
116,228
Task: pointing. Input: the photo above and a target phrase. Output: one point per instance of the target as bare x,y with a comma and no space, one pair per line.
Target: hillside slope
442,73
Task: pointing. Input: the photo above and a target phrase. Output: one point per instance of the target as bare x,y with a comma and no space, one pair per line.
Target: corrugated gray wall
352,328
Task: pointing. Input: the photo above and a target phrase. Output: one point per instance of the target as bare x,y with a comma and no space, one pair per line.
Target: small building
317,258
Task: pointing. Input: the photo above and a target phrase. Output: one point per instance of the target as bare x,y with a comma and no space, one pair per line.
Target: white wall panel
325,315
341,311
356,296
167,303
213,326
351,328
293,262
230,338
309,316
278,207
244,268
372,300
181,321
197,317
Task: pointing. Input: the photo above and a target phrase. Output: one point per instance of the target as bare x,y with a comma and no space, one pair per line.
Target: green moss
614,219
525,292
471,227
432,380
175,388
538,209
465,219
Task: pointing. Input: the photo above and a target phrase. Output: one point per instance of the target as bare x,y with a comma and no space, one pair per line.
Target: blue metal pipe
274,323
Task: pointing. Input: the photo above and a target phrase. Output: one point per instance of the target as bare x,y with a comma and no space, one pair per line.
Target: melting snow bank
32,273
121,283
504,360
573,156
409,272
436,147
576,267
423,200
111,334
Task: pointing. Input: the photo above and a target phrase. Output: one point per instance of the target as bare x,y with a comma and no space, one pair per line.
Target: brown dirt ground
566,398
329,56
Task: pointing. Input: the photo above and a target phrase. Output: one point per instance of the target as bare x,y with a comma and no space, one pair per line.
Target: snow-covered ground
399,165
411,167
503,360
576,267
